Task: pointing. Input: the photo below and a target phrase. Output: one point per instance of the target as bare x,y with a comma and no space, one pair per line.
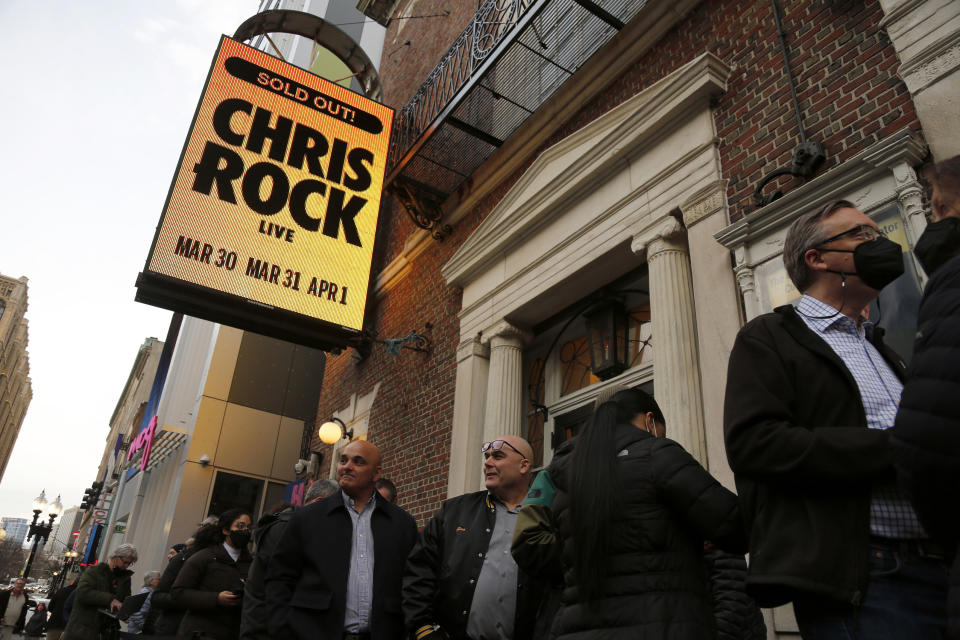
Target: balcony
511,58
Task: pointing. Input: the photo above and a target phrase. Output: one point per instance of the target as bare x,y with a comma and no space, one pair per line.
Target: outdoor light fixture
40,503
40,531
607,327
333,430
56,508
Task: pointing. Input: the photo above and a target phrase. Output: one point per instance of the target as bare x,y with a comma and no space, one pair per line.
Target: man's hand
115,605
227,599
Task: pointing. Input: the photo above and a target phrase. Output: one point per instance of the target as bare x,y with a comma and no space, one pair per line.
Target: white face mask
651,427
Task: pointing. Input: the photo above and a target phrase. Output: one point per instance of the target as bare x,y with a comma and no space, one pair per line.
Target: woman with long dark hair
210,585
633,510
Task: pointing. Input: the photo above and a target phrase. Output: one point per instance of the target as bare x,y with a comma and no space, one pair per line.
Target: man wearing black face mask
926,438
811,393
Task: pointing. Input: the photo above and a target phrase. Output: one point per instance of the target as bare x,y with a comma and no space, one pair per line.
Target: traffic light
91,495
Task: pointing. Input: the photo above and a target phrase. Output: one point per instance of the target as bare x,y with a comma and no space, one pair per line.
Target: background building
230,411
124,423
15,389
61,538
16,529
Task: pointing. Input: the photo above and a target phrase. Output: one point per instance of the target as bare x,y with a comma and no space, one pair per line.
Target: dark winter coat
926,438
804,460
306,582
256,613
207,573
96,589
656,584
27,603
735,614
164,616
37,624
444,566
56,607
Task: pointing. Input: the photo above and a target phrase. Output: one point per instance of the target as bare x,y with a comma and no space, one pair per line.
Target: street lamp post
40,531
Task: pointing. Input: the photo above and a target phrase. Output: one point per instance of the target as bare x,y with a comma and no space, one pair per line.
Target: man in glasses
461,581
811,393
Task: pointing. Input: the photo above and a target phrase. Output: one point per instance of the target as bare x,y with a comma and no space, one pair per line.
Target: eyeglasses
862,232
496,445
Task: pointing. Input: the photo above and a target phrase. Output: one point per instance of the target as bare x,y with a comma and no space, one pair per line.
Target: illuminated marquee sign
270,222
144,440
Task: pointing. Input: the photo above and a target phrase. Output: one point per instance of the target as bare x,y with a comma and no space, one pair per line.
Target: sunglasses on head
496,445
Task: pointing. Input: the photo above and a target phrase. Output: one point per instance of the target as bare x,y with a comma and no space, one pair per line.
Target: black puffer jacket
736,615
657,585
207,573
926,438
164,616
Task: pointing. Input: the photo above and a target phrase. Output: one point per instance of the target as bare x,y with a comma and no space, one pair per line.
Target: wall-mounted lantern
334,430
607,330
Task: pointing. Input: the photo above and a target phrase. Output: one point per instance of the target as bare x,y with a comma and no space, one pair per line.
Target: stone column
676,359
747,282
504,410
910,197
473,363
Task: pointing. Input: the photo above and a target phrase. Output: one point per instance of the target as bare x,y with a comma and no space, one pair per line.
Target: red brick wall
404,67
844,69
850,96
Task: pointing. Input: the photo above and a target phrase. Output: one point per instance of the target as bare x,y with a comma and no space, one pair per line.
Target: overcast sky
95,103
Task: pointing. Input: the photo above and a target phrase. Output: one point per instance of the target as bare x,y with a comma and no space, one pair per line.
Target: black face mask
119,571
878,262
939,242
240,538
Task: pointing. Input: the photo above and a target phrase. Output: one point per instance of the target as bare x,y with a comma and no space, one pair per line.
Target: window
232,491
559,380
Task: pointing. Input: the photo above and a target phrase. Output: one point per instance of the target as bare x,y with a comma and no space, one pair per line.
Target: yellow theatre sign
270,222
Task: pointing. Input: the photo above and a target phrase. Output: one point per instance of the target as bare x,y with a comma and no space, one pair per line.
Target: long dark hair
594,485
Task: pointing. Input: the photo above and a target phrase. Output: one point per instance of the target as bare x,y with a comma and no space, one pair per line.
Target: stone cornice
705,202
586,158
902,10
935,61
904,146
417,243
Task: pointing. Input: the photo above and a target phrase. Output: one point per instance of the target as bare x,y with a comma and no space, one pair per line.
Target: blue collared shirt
891,515
360,582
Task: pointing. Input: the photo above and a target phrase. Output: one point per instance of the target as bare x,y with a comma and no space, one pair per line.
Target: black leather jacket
444,566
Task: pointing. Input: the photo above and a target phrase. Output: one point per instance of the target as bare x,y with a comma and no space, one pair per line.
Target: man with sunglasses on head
461,581
811,393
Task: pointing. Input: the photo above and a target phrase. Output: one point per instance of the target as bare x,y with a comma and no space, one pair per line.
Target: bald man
461,581
337,570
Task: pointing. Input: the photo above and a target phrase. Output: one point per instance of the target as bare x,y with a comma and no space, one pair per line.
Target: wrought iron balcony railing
507,62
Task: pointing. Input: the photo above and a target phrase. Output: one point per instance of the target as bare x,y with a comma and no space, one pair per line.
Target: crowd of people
845,464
